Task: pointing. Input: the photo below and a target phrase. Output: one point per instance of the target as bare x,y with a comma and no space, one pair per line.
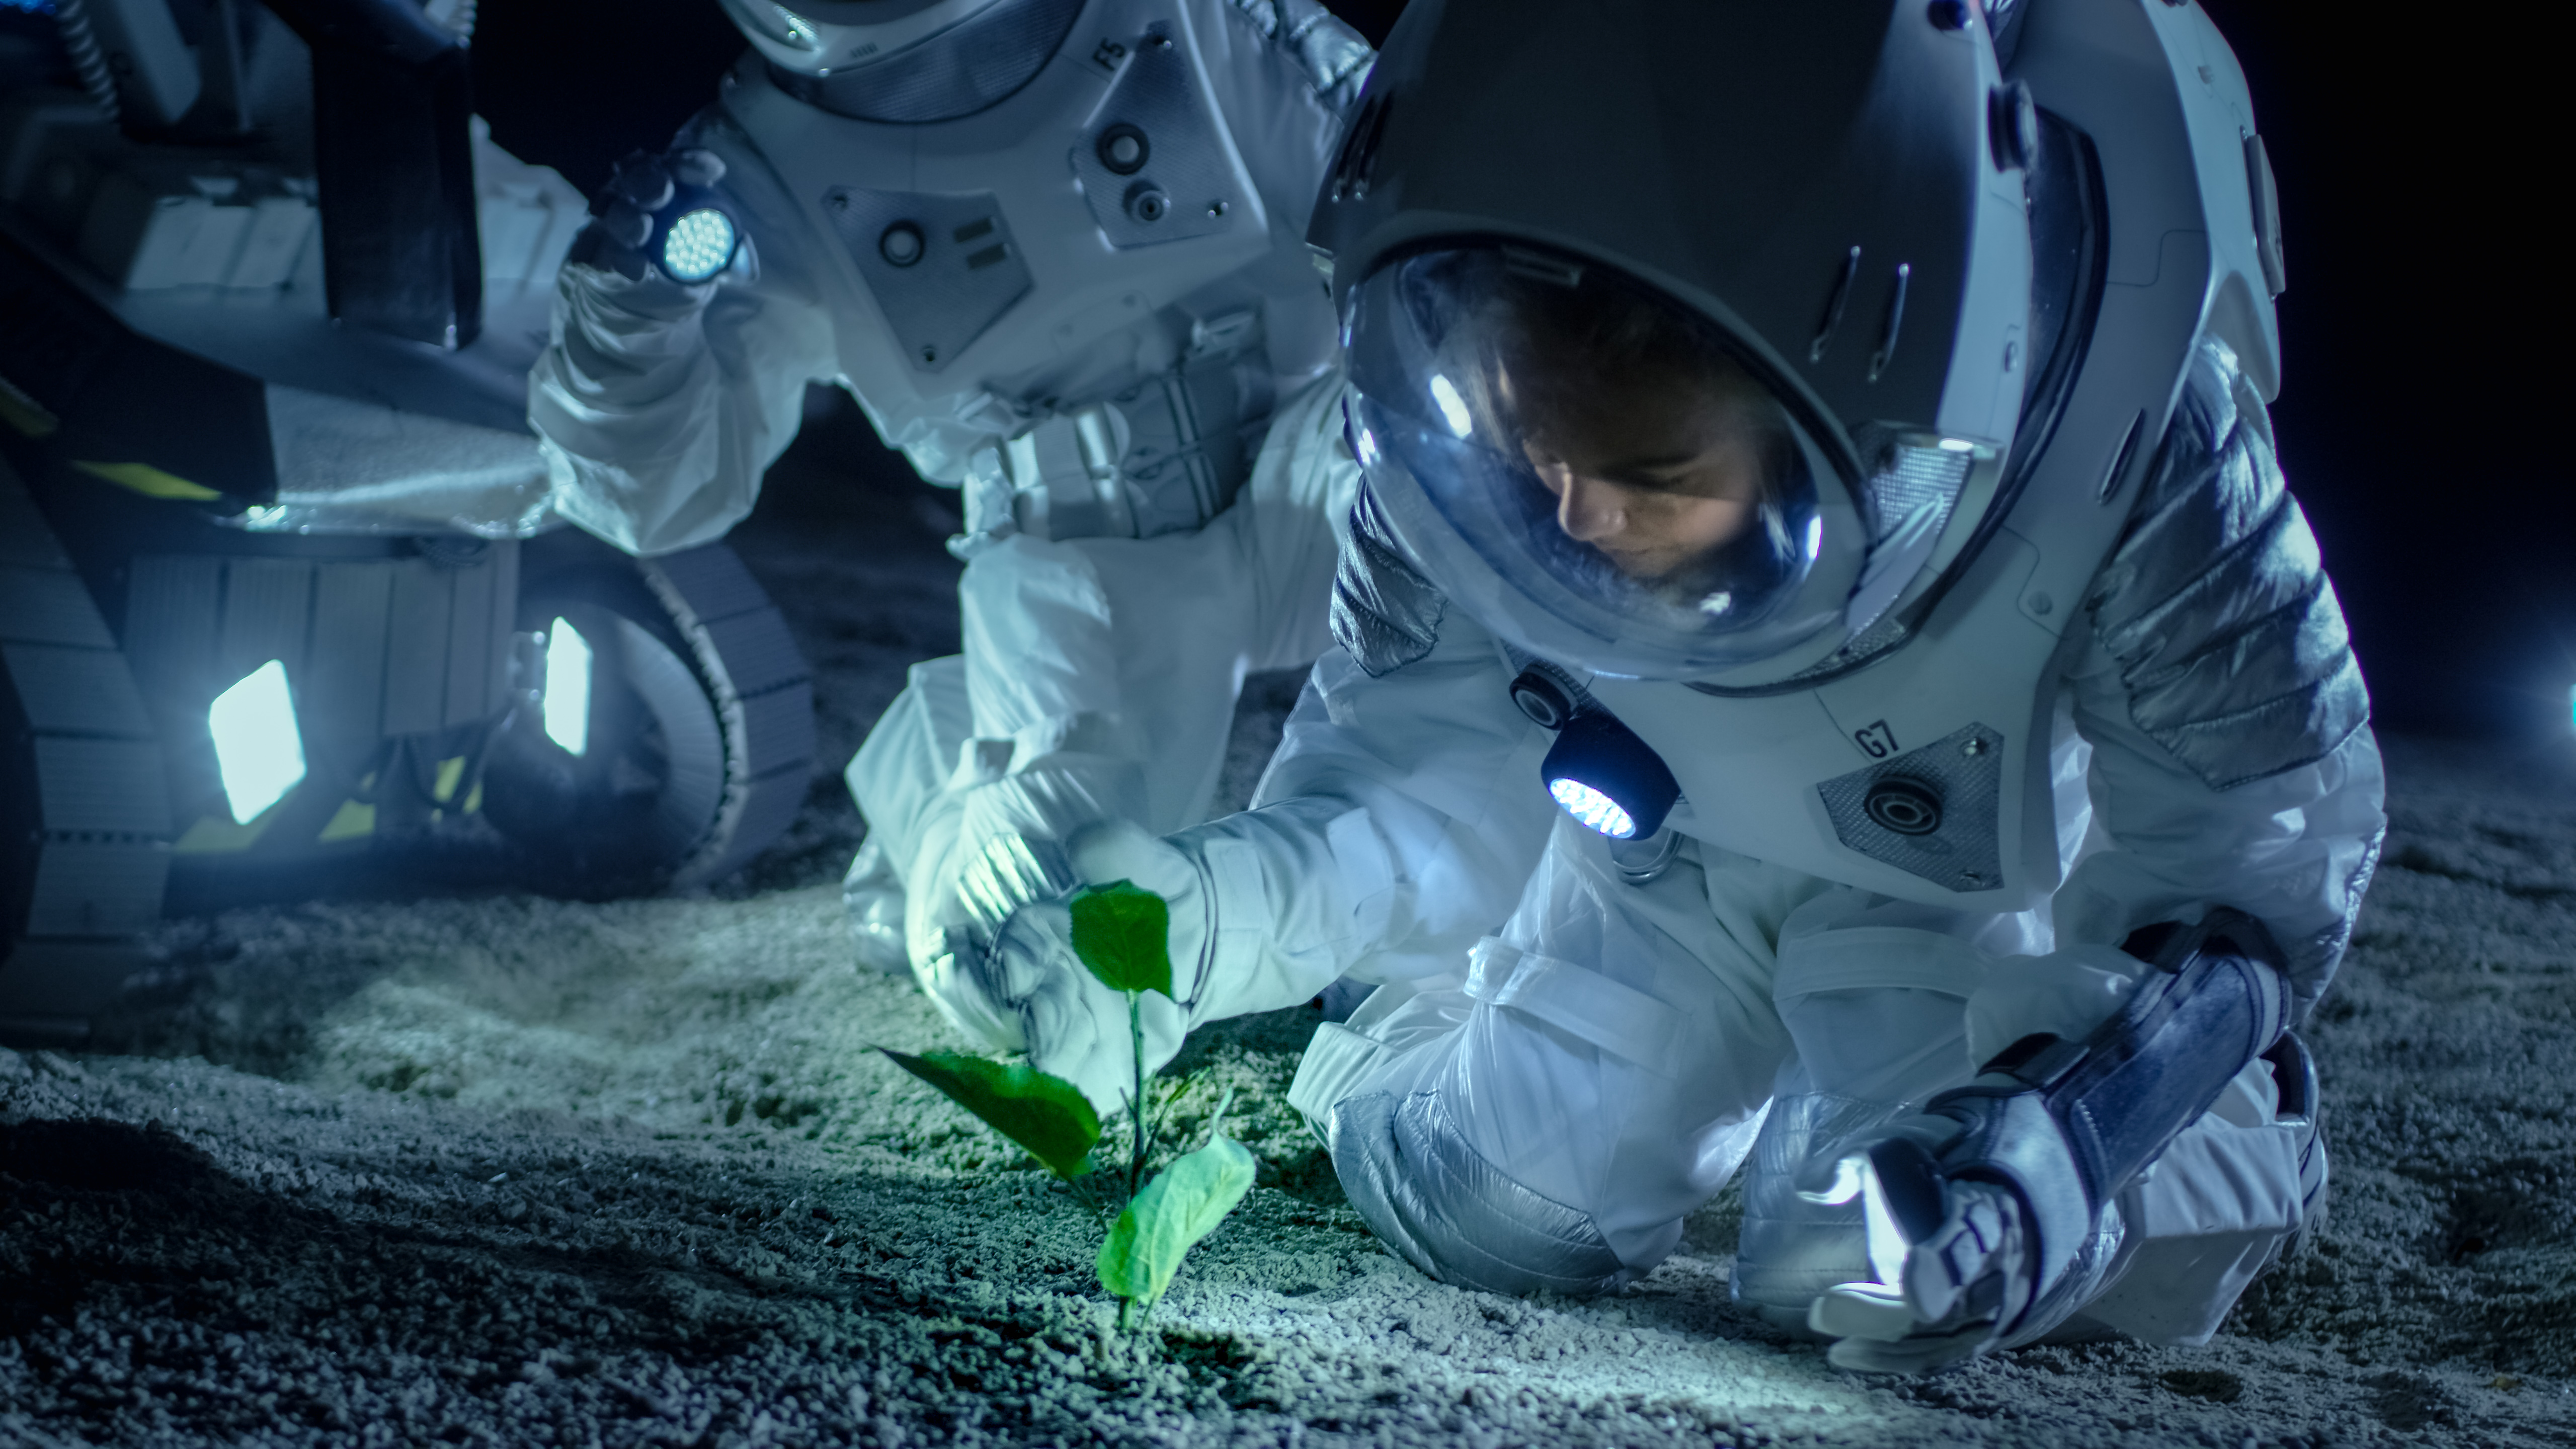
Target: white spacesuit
1822,450
1055,247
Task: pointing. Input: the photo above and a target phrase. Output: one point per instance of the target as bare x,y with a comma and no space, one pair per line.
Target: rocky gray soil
508,1170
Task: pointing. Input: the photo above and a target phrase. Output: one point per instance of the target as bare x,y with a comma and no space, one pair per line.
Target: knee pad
1446,1210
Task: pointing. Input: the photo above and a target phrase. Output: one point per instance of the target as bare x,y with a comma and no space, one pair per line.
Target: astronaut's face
1603,469
1655,445
1653,476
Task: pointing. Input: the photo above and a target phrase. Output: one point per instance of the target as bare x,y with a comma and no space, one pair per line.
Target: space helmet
905,61
1685,342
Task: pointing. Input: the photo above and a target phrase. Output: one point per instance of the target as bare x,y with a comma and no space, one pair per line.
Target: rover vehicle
281,604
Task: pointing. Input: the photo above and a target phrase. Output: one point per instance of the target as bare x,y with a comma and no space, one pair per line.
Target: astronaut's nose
1589,510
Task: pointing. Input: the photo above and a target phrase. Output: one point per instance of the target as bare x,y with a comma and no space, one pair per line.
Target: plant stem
1216,1121
1136,1040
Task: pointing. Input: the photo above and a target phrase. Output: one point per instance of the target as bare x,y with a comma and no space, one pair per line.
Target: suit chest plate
1037,238
1924,777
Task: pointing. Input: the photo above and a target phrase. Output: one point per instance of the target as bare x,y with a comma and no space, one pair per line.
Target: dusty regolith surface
498,1169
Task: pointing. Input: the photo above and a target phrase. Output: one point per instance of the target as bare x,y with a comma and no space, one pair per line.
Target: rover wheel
663,727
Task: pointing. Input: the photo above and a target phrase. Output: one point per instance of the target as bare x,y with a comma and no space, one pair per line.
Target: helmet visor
1591,468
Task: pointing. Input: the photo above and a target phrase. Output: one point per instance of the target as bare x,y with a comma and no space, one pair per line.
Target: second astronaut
1056,250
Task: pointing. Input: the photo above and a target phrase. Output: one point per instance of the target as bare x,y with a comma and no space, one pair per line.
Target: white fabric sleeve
2295,850
1285,74
660,406
1429,775
1136,648
1396,827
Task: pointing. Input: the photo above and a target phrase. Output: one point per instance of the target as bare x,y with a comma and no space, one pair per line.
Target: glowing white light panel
698,246
1593,808
567,687
258,750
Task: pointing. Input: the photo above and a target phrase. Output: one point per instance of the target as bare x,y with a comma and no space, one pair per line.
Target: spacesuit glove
1954,1270
991,848
626,210
1069,1023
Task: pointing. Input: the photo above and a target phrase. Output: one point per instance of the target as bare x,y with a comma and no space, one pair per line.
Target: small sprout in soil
1122,934
1183,1204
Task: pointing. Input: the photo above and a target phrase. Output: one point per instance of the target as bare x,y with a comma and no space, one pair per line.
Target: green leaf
1170,1216
1123,933
1045,1114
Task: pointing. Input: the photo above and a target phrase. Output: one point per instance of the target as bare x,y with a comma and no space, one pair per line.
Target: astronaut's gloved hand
993,845
1955,1273
1069,1023
1262,917
643,227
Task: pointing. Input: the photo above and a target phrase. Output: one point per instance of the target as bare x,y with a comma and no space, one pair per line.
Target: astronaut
1055,248
1830,680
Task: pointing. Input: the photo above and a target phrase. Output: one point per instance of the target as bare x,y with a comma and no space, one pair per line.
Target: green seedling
1120,932
1161,1224
1040,1112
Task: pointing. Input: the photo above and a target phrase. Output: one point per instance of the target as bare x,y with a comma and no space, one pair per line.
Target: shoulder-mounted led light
1598,769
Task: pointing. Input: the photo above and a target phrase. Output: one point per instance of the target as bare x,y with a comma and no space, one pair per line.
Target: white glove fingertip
1867,1311
1035,942
1862,1356
1917,1356
625,225
694,166
1832,1181
1065,1041
1931,1288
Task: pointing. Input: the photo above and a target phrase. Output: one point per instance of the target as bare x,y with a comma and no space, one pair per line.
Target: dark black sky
2423,333
2425,365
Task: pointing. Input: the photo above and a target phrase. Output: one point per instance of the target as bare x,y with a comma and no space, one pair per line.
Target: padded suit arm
2232,762
1286,72
660,406
1441,768
1377,845
1395,827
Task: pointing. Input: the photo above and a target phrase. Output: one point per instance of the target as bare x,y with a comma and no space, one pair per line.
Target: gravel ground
509,1170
